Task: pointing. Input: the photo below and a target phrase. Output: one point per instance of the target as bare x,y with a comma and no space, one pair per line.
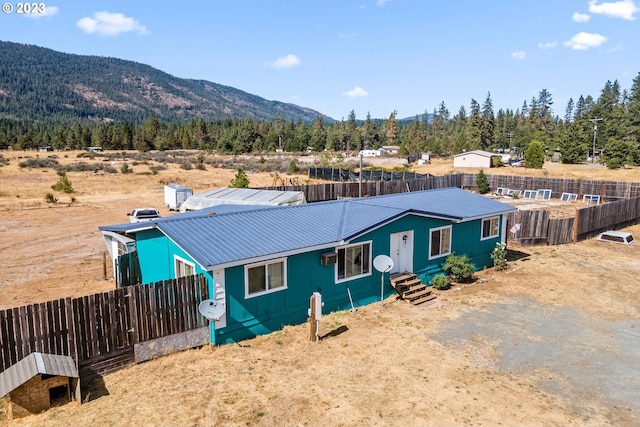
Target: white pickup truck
143,214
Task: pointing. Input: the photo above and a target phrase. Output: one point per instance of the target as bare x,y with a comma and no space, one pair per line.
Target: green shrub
440,282
39,163
293,168
125,169
50,198
614,163
482,183
534,156
240,181
63,185
499,256
156,168
459,268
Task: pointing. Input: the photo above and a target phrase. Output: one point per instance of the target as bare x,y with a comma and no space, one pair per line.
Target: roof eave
244,261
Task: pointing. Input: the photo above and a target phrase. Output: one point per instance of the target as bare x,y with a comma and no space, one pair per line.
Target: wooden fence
99,331
338,190
536,226
609,190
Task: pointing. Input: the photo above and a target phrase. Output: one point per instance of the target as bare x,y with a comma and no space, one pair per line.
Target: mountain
420,116
42,84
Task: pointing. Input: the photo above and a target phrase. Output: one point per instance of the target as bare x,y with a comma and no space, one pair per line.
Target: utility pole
595,131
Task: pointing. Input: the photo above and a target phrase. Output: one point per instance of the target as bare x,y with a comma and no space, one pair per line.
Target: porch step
411,289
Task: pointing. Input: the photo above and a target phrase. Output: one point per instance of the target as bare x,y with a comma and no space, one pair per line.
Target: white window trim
544,194
492,236
360,276
247,295
450,241
569,197
176,260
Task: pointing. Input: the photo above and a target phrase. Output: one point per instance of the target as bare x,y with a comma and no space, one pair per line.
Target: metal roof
478,152
233,238
32,365
242,196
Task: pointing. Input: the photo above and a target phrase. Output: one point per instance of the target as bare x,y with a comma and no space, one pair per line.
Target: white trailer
175,195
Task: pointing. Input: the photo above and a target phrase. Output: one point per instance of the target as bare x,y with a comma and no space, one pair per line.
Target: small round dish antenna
382,263
211,309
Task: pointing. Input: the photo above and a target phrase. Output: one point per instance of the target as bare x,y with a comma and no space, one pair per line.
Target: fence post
575,226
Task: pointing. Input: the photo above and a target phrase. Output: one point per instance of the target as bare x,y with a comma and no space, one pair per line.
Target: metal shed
37,382
242,196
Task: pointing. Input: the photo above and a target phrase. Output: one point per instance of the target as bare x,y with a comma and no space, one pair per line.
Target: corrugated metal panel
55,364
244,196
453,203
227,237
32,365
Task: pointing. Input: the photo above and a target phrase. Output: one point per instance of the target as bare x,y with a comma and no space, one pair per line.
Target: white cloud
48,12
548,45
285,62
581,17
518,56
382,2
584,41
356,92
624,9
110,24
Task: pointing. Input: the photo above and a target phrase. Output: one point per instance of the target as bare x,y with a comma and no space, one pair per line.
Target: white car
143,214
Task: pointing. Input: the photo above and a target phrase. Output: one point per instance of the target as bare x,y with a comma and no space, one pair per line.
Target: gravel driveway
593,364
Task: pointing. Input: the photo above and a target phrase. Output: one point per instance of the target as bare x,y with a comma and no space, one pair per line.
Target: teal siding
155,254
249,317
258,315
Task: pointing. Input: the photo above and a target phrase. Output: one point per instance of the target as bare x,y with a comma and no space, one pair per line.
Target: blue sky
372,56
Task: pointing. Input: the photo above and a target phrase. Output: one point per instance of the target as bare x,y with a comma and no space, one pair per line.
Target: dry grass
376,366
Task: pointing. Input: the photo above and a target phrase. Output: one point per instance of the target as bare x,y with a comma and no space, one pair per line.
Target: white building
474,159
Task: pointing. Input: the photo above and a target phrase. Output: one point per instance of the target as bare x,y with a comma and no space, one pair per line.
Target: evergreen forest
611,119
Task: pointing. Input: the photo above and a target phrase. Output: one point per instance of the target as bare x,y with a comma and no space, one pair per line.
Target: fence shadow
513,255
94,389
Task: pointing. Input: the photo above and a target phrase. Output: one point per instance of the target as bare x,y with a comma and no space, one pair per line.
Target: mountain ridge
41,83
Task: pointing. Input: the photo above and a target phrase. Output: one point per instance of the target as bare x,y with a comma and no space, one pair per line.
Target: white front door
401,245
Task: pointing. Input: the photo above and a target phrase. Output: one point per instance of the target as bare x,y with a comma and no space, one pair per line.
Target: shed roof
242,196
479,153
32,365
234,238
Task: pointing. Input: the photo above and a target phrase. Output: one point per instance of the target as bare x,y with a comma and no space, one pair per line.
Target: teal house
264,263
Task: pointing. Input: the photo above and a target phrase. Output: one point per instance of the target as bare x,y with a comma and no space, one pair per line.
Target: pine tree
534,156
482,183
240,181
392,129
473,127
487,124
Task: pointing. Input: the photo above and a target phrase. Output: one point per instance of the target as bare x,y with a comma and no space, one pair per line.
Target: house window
265,277
490,227
440,242
183,267
354,261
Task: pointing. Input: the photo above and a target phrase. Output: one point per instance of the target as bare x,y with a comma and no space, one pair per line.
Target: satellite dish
212,309
382,263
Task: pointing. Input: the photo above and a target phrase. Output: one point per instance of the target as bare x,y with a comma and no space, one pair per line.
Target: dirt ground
552,340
